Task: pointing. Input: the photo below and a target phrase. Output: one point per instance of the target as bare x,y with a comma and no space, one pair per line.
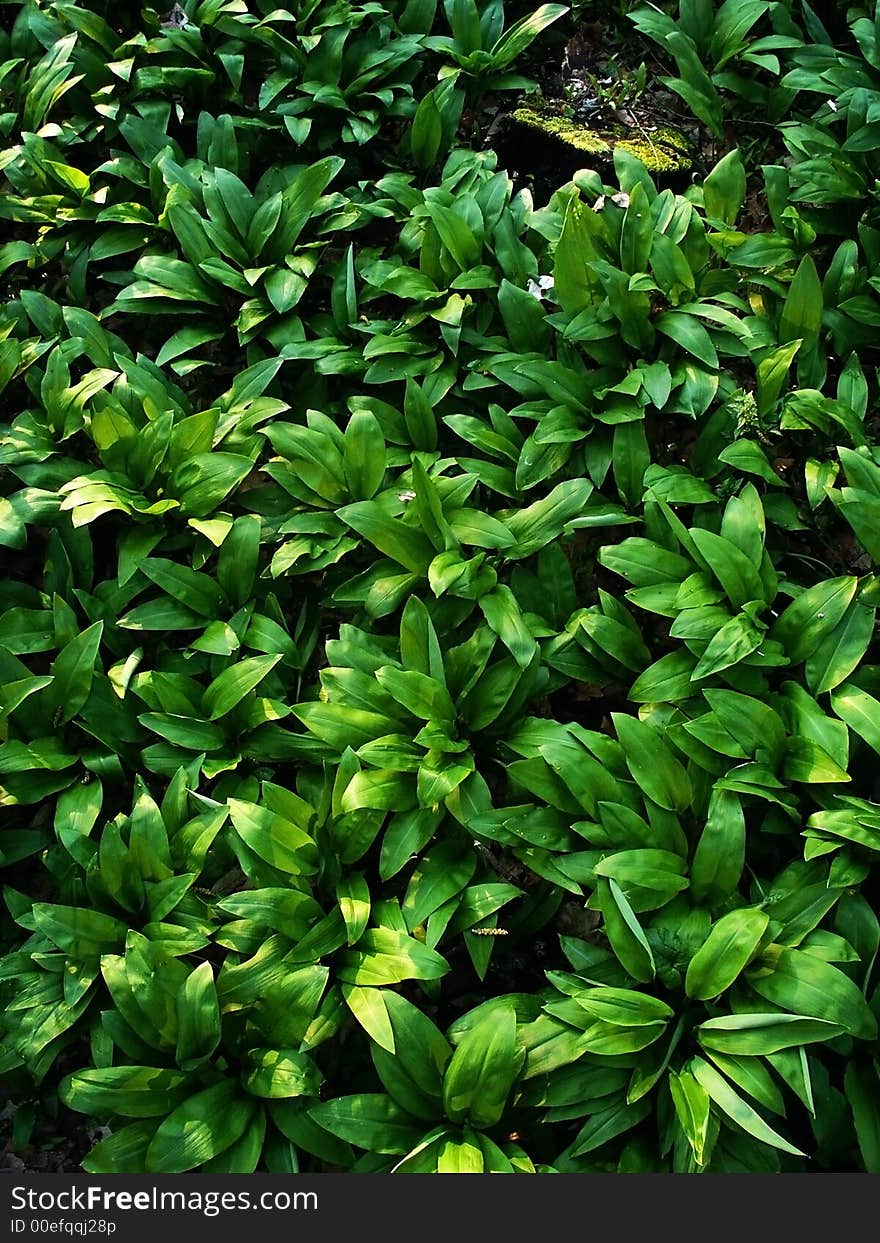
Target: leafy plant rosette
438,711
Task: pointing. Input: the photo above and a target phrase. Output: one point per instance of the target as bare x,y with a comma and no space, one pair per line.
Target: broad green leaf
812,615
724,189
692,1107
624,931
275,839
860,711
725,953
370,1120
803,984
738,575
280,1073
385,956
198,1018
690,334
734,1107
230,687
801,317
132,1091
441,874
370,1007
720,854
73,671
364,455
353,896
412,1070
206,1124
396,539
841,650
755,1034
653,766
482,1071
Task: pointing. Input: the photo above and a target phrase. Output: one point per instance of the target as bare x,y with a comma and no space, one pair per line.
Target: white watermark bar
101,1198
282,1207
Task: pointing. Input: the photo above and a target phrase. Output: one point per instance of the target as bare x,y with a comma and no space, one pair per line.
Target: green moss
662,151
577,136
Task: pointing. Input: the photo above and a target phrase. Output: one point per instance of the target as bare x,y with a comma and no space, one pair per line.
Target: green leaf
412,1070
637,232
738,575
645,563
734,1107
607,1124
653,766
725,953
801,317
756,1034
624,1007
370,1120
574,283
426,133
812,615
482,1071
73,671
274,838
720,854
724,189
364,455
803,984
202,1127
502,612
733,642
439,875
692,1107
353,896
298,200
280,1073
518,37
78,932
198,1018
772,374
841,650
690,334
860,711
230,687
624,931
125,1149
396,539
668,680
544,520
423,696
131,1091
385,956
370,1007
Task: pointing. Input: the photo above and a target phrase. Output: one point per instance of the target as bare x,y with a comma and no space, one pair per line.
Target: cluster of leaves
438,718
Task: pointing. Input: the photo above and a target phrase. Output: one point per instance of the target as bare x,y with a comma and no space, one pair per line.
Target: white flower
539,287
621,199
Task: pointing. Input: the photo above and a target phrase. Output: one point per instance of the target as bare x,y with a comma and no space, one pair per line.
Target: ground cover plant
439,692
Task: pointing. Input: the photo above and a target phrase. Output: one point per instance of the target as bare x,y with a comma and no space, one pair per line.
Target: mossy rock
664,150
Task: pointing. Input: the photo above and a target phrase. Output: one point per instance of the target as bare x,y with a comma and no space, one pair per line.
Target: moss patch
664,150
